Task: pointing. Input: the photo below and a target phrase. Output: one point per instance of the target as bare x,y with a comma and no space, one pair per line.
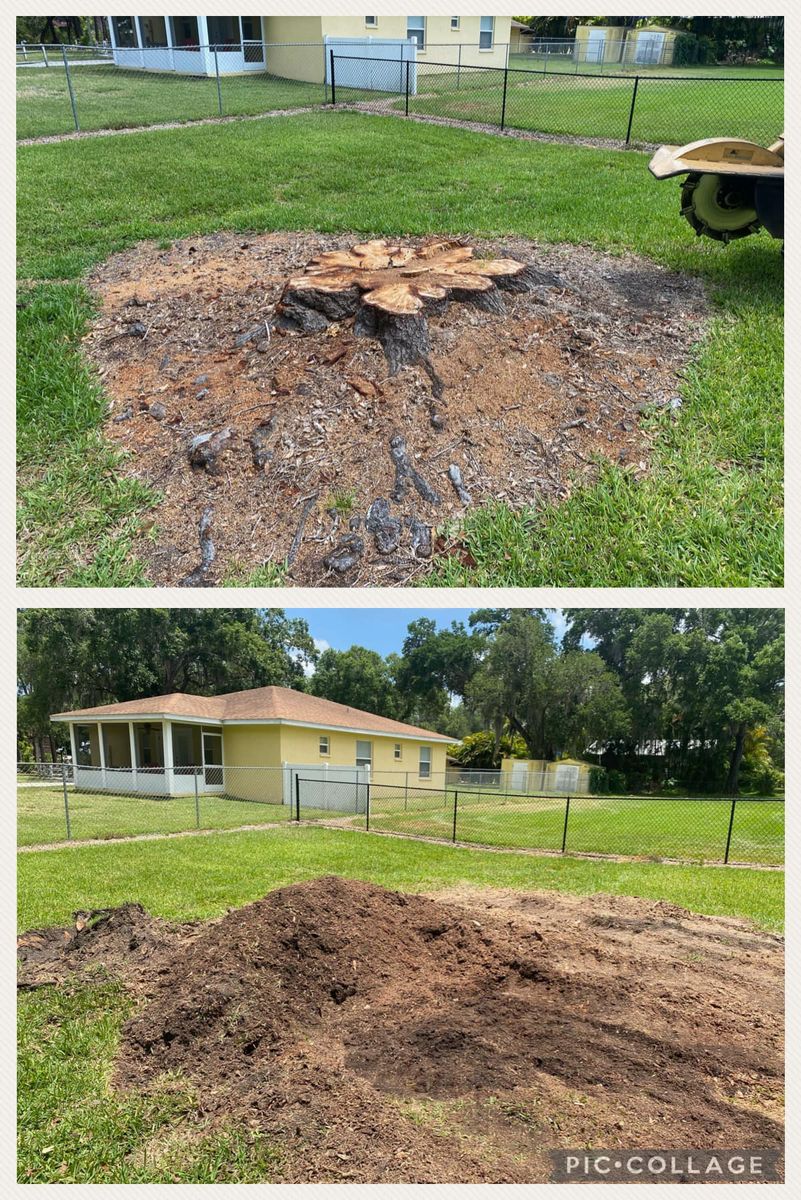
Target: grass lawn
694,829
74,1128
40,815
201,877
709,514
666,110
108,97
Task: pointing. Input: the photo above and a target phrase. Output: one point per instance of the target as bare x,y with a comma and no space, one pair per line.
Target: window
371,21
416,31
425,762
364,754
184,32
454,22
486,33
398,751
224,33
154,31
83,746
125,32
325,748
186,751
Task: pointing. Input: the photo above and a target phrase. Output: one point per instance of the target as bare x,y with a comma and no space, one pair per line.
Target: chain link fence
59,802
61,89
622,109
693,829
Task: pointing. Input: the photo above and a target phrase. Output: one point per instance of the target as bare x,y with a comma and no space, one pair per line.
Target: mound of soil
271,445
375,1036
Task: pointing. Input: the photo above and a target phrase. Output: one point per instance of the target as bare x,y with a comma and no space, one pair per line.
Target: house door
252,44
567,777
596,40
212,760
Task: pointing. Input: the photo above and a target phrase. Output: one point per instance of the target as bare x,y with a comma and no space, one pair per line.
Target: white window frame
364,760
327,752
398,751
482,31
424,763
455,24
415,29
371,22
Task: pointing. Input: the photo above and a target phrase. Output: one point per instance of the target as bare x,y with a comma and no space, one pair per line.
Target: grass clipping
334,409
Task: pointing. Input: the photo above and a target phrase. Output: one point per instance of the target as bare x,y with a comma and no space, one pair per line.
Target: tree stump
388,289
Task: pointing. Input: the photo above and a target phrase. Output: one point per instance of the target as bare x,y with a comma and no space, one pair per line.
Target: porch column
132,740
74,750
102,752
166,738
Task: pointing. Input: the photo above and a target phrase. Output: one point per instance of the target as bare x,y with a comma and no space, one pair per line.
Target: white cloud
320,644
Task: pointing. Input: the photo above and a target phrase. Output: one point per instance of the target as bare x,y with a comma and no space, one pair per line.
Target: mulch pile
374,1036
270,445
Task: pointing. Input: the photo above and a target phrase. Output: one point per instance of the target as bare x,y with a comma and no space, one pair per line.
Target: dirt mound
269,444
126,941
375,1036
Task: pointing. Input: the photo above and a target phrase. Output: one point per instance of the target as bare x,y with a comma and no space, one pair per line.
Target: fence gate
327,788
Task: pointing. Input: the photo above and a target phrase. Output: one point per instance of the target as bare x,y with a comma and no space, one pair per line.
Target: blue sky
381,629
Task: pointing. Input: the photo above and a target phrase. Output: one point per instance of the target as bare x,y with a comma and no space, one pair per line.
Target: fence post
297,797
459,67
407,87
69,87
367,808
503,103
333,81
455,803
44,55
406,794
66,800
564,831
197,801
631,110
731,826
219,88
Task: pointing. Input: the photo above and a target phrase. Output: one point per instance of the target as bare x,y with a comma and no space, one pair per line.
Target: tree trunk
735,762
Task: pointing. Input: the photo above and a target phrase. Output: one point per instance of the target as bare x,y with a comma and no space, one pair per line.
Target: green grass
689,829
553,64
666,110
74,1128
41,818
109,97
708,514
188,878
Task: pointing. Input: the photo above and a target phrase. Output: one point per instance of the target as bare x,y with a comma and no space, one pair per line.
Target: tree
435,665
358,677
554,701
77,658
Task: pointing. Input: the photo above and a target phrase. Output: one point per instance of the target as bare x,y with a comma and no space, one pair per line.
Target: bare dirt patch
271,445
375,1036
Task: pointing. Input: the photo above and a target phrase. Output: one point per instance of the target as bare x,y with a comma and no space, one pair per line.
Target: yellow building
295,47
568,776
649,45
252,745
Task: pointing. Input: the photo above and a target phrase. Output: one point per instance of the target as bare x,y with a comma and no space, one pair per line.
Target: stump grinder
732,187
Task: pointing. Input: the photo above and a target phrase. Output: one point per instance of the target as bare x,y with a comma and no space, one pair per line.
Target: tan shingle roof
257,704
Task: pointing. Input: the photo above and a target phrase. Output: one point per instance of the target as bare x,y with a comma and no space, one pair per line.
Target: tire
720,207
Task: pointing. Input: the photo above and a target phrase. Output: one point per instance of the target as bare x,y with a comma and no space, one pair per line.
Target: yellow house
568,776
251,745
296,47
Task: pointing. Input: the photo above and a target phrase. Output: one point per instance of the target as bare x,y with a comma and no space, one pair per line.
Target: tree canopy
692,698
